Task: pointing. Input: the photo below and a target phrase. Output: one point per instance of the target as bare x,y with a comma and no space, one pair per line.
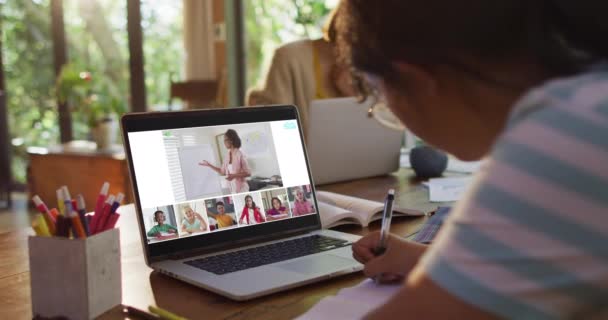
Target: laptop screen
219,180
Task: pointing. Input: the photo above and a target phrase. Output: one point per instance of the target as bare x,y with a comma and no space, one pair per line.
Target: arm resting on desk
421,298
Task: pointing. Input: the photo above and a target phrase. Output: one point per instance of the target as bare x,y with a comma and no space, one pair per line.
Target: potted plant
94,101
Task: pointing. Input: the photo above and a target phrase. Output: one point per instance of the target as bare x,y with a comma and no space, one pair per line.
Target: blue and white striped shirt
530,238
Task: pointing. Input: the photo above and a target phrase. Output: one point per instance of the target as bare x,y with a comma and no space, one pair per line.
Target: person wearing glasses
235,167
523,84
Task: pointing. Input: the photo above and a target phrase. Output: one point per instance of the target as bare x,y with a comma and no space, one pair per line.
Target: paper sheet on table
455,165
448,189
352,303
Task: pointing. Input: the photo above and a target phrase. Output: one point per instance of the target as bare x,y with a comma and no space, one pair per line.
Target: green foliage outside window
271,23
97,42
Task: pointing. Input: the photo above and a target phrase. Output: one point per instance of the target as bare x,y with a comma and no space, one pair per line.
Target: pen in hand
386,225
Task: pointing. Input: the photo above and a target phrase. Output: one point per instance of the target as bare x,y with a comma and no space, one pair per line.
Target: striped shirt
530,238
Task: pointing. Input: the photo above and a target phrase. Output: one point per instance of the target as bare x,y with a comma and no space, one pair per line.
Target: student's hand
172,231
198,215
204,163
396,262
156,235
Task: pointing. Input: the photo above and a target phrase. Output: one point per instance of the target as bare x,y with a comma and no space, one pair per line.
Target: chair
195,93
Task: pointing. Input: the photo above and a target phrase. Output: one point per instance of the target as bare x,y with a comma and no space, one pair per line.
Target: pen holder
75,278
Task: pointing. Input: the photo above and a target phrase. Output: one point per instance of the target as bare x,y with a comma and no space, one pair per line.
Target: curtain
199,40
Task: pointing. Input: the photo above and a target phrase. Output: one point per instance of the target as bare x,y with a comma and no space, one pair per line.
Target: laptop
203,223
340,132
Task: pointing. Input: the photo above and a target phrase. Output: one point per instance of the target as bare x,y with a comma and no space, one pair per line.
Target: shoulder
295,49
293,54
556,144
582,94
543,186
240,154
560,128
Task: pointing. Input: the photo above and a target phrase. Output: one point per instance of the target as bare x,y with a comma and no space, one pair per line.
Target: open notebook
352,303
337,209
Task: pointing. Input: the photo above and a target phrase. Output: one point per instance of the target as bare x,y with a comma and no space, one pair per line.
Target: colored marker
67,201
112,221
77,227
60,201
117,202
101,222
103,193
164,314
50,220
72,215
39,225
82,213
74,205
40,205
63,227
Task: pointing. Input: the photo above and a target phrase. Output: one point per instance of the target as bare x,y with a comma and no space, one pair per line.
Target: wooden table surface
142,287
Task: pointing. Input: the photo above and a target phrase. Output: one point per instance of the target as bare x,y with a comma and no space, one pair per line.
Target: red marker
97,225
99,207
51,220
112,221
102,197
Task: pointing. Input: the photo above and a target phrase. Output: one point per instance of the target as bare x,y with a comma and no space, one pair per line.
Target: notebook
337,209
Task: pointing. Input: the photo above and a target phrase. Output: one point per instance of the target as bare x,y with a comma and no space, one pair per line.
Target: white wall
262,164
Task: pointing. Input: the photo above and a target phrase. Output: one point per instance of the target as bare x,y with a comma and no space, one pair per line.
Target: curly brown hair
561,36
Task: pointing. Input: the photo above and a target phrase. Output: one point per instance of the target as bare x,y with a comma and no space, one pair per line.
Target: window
97,42
30,78
271,23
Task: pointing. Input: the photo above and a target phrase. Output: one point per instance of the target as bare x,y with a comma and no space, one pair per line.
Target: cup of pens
75,267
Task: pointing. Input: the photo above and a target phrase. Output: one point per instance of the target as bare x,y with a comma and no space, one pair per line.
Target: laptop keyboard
263,255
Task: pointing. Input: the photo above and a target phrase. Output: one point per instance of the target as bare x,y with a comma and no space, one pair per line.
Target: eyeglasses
381,113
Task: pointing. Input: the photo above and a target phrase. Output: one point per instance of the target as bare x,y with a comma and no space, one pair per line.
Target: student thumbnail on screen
160,223
276,204
248,208
192,218
221,213
300,200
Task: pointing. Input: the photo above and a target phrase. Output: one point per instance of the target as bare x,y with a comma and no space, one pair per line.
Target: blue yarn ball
428,162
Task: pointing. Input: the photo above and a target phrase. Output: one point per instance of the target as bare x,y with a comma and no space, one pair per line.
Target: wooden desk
142,287
81,167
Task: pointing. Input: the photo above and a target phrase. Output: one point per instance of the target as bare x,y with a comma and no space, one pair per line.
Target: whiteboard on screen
199,181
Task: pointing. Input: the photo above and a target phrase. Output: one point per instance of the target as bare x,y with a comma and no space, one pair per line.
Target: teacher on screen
235,166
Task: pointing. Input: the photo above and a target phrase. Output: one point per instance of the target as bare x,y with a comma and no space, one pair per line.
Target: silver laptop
226,202
345,144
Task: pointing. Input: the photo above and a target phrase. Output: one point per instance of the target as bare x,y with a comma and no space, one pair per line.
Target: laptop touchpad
317,264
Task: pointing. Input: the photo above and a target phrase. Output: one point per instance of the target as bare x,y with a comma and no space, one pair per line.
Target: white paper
352,303
447,189
455,165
